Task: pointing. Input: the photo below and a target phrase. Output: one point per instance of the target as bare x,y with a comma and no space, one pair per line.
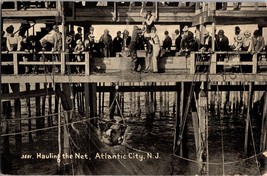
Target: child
79,48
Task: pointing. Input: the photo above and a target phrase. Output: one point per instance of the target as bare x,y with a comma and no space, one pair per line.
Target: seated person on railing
12,41
189,44
106,43
238,39
51,41
79,57
167,43
257,42
221,44
117,43
149,19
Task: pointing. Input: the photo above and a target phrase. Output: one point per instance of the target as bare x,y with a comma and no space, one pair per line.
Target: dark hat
166,32
177,31
79,29
153,28
10,29
237,28
220,31
119,32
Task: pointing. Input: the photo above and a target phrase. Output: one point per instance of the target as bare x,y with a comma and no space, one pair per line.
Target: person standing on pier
106,43
90,47
155,42
167,43
79,35
12,40
126,40
133,43
50,42
178,40
117,43
257,42
221,44
238,39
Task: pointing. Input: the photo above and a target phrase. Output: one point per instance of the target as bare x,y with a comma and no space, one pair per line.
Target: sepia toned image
133,88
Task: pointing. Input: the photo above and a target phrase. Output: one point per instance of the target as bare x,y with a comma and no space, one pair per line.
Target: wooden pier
189,87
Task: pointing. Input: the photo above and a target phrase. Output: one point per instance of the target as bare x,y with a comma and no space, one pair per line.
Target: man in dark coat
189,44
178,39
167,43
79,35
126,40
221,42
117,43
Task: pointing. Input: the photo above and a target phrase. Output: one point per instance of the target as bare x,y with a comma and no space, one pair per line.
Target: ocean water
226,132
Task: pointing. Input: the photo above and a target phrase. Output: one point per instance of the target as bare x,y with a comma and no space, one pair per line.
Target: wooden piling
160,103
138,103
50,119
17,115
177,118
112,103
38,110
203,117
99,101
249,103
93,100
87,102
263,142
103,100
43,108
6,111
68,112
28,101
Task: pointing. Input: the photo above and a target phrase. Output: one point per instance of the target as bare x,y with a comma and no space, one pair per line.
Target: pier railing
223,61
63,63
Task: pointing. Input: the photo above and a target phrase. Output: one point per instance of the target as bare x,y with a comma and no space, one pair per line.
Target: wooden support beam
6,114
17,115
87,103
248,118
38,109
68,97
177,118
263,143
93,101
28,101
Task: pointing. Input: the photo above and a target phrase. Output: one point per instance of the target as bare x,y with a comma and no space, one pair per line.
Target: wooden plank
169,76
39,63
263,141
15,64
29,13
248,118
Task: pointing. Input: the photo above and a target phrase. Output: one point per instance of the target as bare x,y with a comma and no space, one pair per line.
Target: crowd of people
144,38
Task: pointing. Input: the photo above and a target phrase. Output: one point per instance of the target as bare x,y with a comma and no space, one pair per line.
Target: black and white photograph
133,87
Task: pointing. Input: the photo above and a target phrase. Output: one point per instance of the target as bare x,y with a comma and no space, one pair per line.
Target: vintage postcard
133,88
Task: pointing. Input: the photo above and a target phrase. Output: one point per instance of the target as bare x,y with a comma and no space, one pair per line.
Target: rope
47,128
213,163
34,117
